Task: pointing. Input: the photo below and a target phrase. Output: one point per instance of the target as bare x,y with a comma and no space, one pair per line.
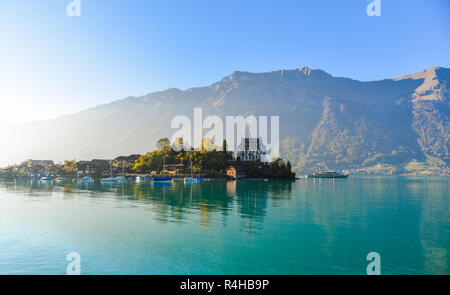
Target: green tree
70,166
178,144
163,145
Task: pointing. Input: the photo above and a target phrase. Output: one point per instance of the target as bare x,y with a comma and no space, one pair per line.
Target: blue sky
52,64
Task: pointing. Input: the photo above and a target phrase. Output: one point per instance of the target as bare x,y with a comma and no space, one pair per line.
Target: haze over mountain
325,121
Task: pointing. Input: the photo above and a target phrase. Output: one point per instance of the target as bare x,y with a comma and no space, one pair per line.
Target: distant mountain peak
306,70
429,73
297,73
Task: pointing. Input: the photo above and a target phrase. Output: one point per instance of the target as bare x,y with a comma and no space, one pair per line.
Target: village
246,162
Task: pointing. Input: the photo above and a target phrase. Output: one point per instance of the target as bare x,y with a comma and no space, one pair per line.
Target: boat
142,178
46,178
120,178
86,179
59,179
110,179
192,179
327,174
164,179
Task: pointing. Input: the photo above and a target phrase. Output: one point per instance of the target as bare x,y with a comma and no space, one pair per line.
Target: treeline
207,161
277,169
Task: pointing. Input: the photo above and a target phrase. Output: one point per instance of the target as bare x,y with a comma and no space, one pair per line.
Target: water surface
227,227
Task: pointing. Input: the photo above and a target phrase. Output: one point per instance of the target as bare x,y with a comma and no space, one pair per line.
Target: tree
163,145
178,144
288,167
148,162
224,146
207,145
196,158
70,166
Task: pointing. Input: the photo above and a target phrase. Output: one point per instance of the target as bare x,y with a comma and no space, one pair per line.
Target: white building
250,149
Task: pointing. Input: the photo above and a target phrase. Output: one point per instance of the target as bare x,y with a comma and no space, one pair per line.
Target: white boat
109,179
327,174
192,179
112,179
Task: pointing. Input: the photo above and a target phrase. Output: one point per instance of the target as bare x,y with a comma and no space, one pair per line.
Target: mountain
326,122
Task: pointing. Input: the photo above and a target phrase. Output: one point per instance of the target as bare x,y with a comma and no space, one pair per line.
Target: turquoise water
219,227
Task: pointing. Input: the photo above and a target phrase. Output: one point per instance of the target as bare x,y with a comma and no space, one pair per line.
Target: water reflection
434,225
314,223
173,202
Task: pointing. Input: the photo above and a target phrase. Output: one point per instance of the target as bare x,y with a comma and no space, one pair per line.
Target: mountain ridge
325,121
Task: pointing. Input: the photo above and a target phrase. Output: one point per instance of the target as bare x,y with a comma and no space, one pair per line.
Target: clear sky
52,64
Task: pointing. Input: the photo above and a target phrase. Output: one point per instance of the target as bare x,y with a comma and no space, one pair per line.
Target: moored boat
120,178
86,179
109,179
193,179
162,179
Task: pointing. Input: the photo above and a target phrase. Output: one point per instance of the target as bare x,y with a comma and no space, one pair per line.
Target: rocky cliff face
325,121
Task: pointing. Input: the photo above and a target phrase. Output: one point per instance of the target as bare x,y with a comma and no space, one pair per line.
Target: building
124,164
84,167
250,149
101,167
127,160
173,168
36,167
236,172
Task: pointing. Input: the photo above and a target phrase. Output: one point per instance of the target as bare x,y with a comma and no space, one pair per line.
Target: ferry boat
327,174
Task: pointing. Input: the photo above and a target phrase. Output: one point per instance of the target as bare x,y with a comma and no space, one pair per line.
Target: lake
321,226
